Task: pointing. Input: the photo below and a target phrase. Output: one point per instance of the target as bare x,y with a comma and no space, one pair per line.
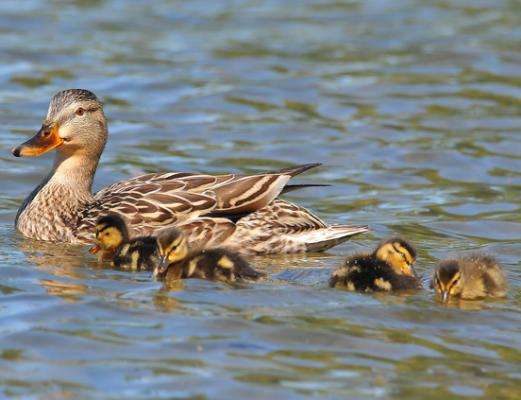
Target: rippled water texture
412,106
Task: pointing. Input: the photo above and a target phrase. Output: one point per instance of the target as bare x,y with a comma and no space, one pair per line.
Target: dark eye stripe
404,256
104,229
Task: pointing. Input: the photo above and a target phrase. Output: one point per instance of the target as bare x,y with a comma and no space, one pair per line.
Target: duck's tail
325,238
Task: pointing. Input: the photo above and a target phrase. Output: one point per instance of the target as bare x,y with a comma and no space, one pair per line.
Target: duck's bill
94,249
161,267
444,297
45,140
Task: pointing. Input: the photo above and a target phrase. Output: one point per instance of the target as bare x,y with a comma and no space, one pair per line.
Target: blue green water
414,108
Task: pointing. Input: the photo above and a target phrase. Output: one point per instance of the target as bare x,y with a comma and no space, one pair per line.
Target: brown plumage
472,277
388,268
218,264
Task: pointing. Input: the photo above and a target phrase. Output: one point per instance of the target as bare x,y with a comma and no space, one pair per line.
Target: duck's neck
74,171
50,212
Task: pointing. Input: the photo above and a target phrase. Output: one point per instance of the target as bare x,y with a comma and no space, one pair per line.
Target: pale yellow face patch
398,257
109,238
177,250
453,287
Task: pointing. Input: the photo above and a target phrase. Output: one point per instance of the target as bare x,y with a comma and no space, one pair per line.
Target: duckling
472,277
388,268
218,264
113,240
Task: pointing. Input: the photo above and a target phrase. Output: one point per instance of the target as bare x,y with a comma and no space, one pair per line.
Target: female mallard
469,278
388,268
177,261
238,211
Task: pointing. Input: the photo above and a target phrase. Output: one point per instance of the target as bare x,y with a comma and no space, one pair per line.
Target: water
413,107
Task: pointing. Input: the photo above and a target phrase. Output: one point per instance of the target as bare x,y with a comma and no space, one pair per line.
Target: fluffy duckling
469,278
178,262
113,240
388,268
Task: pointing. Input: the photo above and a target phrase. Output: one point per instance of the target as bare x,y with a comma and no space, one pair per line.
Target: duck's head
448,279
399,254
111,232
74,123
172,247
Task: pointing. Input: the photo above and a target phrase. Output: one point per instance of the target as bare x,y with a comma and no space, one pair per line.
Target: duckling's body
216,264
387,269
138,254
469,278
131,254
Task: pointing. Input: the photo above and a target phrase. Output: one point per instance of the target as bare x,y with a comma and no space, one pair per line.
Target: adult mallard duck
232,210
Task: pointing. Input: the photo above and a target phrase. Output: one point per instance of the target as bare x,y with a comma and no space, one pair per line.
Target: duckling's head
172,246
448,279
397,253
111,231
75,122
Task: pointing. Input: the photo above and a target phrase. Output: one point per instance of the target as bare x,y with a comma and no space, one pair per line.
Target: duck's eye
80,111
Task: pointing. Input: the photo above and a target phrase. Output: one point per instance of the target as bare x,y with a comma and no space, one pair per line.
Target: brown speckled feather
154,201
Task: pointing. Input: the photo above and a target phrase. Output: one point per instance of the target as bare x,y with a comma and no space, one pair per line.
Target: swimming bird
471,277
241,212
388,268
115,245
218,264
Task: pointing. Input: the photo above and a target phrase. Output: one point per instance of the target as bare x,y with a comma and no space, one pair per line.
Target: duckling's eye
80,111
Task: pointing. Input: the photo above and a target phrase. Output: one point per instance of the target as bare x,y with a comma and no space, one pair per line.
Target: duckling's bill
95,249
161,267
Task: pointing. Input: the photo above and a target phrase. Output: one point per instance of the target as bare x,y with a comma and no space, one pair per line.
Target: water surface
412,106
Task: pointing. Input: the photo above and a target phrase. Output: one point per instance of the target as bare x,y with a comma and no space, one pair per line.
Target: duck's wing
153,201
234,193
205,232
181,181
147,207
283,227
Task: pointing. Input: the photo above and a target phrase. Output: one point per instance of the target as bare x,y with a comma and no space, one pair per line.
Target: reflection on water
413,107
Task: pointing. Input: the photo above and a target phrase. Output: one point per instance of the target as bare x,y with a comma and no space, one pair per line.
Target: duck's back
486,276
138,254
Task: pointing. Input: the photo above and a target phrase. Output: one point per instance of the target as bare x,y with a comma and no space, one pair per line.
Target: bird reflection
163,302
70,292
60,261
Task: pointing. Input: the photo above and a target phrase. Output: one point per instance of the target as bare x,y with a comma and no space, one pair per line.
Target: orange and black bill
45,140
94,249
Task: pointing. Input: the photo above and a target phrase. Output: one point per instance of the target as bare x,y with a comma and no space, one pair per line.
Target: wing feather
153,201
